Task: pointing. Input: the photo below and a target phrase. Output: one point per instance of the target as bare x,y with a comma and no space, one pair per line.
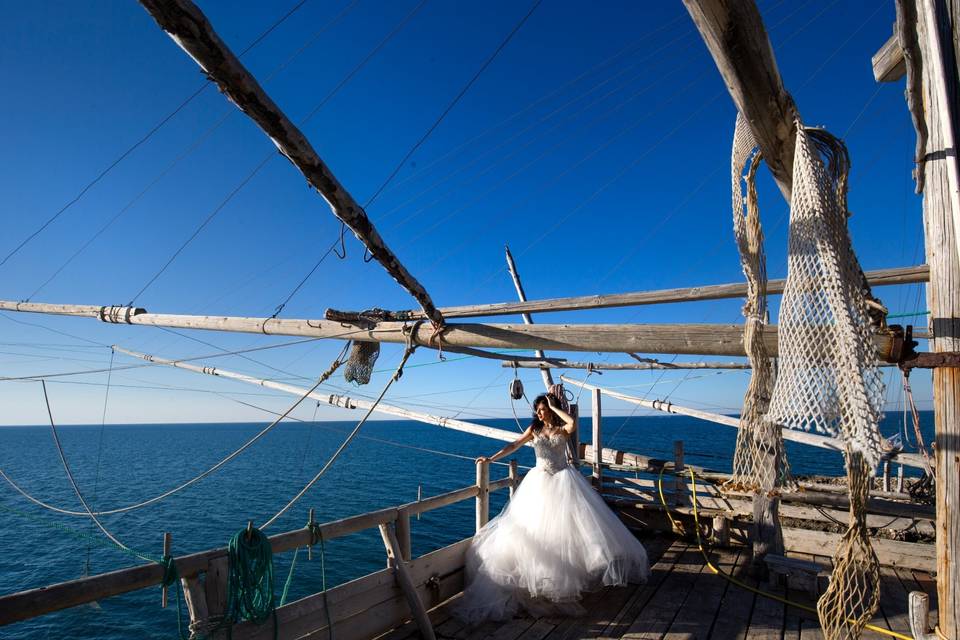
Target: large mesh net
759,462
828,380
363,356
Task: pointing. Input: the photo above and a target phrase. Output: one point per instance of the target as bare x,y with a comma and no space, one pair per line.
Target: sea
390,463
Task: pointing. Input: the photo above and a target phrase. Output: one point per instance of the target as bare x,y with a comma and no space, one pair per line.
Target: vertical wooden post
310,515
483,494
403,534
939,79
196,598
597,441
900,478
395,562
721,531
886,475
514,477
167,540
679,485
419,497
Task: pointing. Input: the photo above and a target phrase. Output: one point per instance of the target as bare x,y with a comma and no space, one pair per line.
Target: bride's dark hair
537,423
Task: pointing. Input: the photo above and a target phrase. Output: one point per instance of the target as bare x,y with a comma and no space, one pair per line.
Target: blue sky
596,145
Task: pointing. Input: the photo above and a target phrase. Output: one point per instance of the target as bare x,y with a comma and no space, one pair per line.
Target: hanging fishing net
828,380
363,356
759,461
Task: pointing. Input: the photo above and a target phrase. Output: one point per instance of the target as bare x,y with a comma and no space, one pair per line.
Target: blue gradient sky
604,173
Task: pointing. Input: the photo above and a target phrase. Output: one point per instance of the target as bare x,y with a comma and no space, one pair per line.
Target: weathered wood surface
395,556
483,494
823,442
682,600
941,219
877,278
597,441
193,33
688,339
34,602
888,63
625,366
735,35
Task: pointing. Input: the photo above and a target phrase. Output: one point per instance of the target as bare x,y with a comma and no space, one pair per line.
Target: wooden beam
395,555
688,339
734,33
877,278
939,59
628,366
888,63
193,33
512,268
823,442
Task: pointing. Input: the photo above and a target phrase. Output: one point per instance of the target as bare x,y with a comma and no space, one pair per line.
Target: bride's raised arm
524,438
568,423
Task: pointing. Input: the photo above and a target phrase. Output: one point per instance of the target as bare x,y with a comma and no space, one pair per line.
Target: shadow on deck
685,600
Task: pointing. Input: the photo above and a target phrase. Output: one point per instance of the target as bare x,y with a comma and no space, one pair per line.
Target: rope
452,104
317,534
728,577
250,579
411,347
333,367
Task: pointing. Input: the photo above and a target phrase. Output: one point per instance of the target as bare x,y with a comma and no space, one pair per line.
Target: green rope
317,535
286,585
250,579
908,315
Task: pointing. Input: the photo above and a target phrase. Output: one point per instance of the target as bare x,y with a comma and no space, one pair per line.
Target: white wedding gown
555,539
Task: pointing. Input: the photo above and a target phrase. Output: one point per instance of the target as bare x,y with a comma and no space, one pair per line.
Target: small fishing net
363,356
828,379
759,461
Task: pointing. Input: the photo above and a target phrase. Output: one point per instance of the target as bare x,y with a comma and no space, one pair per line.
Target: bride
554,540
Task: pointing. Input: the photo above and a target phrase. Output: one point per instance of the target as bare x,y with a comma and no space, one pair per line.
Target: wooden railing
407,587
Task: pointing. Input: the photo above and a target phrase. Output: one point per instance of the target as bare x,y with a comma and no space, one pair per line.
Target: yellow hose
743,585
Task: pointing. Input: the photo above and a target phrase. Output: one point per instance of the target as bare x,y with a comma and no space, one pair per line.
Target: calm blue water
137,462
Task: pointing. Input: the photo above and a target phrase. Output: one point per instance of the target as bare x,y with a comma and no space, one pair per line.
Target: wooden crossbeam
193,33
684,339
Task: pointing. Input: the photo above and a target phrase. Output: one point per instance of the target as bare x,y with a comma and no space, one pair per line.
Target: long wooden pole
512,268
734,33
877,278
190,29
822,442
939,83
627,366
688,339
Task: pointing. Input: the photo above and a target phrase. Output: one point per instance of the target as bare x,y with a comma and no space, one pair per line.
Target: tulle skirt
554,540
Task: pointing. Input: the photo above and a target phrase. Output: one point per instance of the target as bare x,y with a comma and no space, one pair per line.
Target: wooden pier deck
685,600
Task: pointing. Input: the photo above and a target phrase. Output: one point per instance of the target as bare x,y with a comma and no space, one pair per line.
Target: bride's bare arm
568,423
510,448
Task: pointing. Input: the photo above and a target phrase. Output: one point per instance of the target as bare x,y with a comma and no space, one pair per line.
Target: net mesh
363,356
759,461
828,380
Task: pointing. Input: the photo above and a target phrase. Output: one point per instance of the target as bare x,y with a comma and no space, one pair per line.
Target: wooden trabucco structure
923,48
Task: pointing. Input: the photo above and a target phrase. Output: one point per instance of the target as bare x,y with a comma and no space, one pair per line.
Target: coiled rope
250,579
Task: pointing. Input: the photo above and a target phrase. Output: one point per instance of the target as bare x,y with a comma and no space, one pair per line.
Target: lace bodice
551,451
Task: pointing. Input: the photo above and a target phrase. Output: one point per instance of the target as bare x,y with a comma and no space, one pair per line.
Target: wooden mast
193,33
512,268
938,69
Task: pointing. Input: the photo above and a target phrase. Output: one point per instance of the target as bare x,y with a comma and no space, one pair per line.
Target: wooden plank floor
685,600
